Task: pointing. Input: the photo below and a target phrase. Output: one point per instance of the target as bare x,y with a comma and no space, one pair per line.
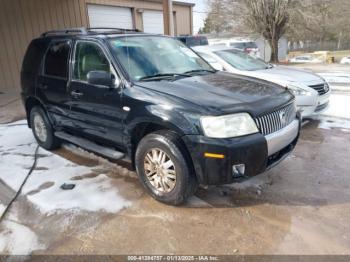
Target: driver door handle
76,94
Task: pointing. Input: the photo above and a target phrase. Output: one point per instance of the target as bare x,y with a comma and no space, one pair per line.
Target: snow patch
339,106
17,239
92,194
17,150
16,153
336,77
332,122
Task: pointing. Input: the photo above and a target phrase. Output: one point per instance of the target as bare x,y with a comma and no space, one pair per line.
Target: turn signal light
211,155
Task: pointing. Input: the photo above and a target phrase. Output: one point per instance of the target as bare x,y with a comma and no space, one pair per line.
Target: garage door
110,16
153,22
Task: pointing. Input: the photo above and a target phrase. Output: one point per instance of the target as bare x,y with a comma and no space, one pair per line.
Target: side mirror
101,78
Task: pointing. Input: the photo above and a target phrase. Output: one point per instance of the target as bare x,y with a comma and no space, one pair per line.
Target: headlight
298,91
239,124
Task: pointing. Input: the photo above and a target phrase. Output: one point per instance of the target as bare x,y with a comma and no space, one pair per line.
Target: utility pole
168,17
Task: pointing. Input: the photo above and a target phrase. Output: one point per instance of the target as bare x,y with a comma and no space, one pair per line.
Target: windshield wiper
200,71
172,76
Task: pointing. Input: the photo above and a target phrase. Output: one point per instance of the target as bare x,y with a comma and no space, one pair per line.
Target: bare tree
320,21
224,16
270,19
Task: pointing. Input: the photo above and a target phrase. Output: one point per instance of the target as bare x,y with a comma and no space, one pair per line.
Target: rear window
237,45
56,60
243,45
196,41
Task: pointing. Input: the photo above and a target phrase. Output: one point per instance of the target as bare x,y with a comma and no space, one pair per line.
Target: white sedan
345,60
305,59
310,90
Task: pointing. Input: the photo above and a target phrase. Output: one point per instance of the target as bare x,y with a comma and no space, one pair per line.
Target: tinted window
33,56
243,45
89,57
56,62
197,40
237,45
251,45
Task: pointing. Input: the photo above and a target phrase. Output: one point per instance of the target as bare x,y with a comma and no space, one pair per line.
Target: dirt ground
302,206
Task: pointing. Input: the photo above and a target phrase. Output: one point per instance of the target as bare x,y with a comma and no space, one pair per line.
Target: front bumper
321,106
257,152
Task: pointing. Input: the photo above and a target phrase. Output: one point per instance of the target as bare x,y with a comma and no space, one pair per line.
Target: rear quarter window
33,57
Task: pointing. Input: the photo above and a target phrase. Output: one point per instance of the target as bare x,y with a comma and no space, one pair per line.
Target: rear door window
57,58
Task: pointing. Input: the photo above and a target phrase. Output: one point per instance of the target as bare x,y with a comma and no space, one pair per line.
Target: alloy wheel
160,170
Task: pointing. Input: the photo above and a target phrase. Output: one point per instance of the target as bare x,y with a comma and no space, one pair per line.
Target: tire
185,181
40,124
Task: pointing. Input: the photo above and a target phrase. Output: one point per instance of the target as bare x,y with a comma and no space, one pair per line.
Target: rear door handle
76,94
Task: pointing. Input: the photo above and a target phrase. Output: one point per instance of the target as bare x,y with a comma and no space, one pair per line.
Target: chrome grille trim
320,88
273,121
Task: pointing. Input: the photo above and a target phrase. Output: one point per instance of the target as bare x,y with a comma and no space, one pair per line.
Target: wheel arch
142,129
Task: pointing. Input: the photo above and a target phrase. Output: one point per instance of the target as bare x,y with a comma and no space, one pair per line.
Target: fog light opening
238,170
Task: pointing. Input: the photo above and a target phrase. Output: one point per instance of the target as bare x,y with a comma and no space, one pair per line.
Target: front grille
321,88
276,120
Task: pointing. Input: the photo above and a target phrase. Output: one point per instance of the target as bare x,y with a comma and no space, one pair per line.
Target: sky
199,13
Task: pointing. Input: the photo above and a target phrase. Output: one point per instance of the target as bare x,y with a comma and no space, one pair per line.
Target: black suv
150,100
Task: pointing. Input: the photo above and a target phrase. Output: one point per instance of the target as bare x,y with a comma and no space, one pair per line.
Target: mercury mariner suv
150,100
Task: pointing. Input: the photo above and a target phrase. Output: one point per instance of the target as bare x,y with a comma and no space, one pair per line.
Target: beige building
23,20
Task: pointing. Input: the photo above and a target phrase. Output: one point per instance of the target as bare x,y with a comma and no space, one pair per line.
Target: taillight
248,50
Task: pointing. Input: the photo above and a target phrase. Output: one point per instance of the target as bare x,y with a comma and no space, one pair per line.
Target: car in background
247,46
310,90
345,60
305,59
191,40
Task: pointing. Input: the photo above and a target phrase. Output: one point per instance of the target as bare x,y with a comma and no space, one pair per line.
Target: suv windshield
147,56
242,61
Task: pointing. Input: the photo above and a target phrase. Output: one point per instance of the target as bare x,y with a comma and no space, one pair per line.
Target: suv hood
222,93
283,75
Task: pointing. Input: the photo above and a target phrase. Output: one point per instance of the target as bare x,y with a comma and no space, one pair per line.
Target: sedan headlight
298,91
239,124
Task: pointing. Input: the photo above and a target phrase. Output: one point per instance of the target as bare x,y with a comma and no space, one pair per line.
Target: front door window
89,57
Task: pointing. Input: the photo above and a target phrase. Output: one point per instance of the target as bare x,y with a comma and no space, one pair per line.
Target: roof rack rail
86,31
80,30
112,29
